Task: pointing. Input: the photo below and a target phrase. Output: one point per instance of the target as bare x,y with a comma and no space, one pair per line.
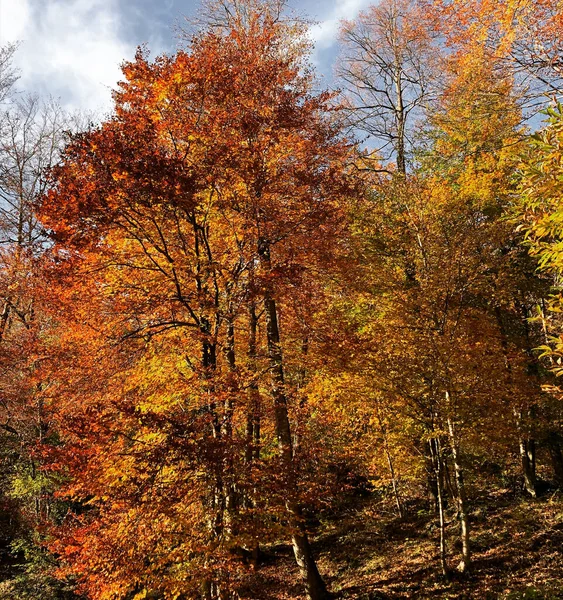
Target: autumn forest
264,336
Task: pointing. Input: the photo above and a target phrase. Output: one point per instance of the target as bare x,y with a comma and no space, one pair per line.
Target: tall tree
387,69
540,215
199,199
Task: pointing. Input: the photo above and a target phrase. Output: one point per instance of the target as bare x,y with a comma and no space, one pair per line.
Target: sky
71,49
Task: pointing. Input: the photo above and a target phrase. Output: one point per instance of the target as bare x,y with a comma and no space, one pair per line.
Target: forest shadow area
366,553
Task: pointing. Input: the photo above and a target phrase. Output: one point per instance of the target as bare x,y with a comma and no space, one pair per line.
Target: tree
540,214
522,37
387,70
444,284
8,74
31,134
198,201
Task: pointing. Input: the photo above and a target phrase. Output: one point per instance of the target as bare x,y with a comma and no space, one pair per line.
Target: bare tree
32,135
8,73
224,14
386,69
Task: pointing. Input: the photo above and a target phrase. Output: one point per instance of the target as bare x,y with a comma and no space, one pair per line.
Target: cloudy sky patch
325,33
72,49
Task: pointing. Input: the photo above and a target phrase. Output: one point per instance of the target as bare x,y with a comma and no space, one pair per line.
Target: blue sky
71,49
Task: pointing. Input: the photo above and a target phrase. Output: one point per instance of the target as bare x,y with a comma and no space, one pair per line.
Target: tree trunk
400,114
527,443
436,453
228,459
394,481
206,593
450,489
252,450
432,482
314,584
527,460
209,364
253,409
527,449
4,317
463,515
395,485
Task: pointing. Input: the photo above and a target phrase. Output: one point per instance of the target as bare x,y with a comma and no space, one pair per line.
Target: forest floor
517,545
365,552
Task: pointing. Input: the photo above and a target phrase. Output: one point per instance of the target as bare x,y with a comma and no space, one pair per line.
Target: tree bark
463,515
400,114
436,453
253,410
527,460
401,125
527,448
431,481
314,584
228,461
4,317
394,481
252,449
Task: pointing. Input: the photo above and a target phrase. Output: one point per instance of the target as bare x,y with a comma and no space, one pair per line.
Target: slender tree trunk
4,318
463,515
394,482
219,484
527,442
531,451
431,481
206,590
314,584
209,361
209,364
252,450
436,453
228,459
400,115
451,490
253,410
527,456
249,450
528,466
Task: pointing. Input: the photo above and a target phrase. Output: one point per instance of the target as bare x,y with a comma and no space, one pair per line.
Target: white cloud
13,18
325,33
71,49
